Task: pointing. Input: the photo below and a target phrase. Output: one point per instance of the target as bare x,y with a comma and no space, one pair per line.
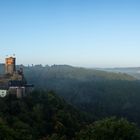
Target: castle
13,81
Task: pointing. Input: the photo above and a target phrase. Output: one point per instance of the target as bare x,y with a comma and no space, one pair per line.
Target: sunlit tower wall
10,65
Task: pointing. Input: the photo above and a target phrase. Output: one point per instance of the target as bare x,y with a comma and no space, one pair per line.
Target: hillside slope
99,93
69,72
133,71
38,115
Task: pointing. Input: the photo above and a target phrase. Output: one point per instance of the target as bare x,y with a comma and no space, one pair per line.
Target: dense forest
84,104
99,93
134,71
38,116
45,116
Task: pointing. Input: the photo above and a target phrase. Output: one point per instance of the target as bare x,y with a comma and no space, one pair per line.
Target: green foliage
110,129
55,137
39,115
69,72
98,93
45,116
5,132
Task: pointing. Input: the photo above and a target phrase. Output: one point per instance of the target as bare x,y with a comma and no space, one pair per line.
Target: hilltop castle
13,81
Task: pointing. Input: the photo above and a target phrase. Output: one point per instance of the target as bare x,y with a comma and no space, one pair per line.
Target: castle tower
10,66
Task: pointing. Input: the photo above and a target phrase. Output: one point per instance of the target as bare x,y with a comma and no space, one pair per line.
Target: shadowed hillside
101,94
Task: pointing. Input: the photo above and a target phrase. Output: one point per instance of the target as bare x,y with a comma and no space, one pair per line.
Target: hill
100,94
133,71
45,116
90,95
76,73
69,72
38,115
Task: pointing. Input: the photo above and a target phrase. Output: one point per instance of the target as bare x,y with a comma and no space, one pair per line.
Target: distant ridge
133,71
37,74
77,73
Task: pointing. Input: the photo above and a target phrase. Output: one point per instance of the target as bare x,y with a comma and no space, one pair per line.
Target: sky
87,33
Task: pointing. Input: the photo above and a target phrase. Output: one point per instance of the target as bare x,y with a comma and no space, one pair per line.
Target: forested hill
69,72
38,117
98,94
45,116
75,73
134,71
101,94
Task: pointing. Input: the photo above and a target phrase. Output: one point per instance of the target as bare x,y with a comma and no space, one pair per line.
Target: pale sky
88,33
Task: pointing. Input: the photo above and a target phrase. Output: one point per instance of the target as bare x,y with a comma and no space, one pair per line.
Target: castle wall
13,82
10,66
18,91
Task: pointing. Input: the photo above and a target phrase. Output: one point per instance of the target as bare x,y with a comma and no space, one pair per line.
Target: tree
110,129
5,132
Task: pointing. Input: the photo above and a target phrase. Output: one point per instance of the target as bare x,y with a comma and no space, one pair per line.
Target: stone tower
10,65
